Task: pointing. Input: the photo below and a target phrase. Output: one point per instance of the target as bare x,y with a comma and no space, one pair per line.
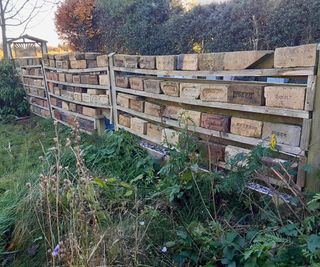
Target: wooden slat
104,69
305,134
114,118
30,67
91,86
219,105
33,86
32,76
283,72
77,114
37,96
79,102
293,151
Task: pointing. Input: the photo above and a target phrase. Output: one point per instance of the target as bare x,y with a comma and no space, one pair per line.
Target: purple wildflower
164,250
56,251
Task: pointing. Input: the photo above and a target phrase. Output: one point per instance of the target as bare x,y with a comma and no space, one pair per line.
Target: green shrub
12,95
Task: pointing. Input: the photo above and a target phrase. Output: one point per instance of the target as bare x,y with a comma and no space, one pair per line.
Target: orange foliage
75,23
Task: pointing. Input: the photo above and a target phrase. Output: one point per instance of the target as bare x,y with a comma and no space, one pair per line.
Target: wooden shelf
293,151
40,115
30,66
66,124
32,76
37,96
90,86
34,86
79,102
77,114
221,105
36,105
283,72
78,70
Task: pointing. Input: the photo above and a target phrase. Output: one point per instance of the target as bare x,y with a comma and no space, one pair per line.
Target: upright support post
113,93
313,178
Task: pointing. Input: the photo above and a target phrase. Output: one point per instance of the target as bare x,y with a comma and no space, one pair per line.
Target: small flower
164,250
141,223
56,251
273,142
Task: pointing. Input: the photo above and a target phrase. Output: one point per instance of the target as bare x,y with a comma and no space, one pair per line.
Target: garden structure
229,101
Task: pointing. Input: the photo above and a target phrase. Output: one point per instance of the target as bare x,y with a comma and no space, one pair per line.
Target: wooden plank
252,109
114,114
102,87
306,134
310,94
289,150
284,72
99,69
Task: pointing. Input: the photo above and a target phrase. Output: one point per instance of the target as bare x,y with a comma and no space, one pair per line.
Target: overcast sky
43,25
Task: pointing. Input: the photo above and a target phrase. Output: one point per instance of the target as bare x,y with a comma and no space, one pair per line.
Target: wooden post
44,74
313,180
113,93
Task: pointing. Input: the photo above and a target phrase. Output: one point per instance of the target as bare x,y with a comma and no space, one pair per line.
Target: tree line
165,27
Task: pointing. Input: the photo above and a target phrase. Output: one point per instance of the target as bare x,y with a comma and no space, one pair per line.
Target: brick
91,112
245,127
79,109
187,62
78,64
94,91
123,100
72,107
93,79
136,105
154,131
233,151
170,88
76,79
76,56
102,61
214,93
122,81
94,99
172,112
91,55
189,90
170,136
65,105
166,62
56,91
138,125
62,77
69,78
104,80
91,64
152,109
242,59
86,98
65,64
285,134
215,122
147,62
136,83
211,152
124,120
104,100
84,78
285,97
126,61
152,86
296,56
77,97
246,95
52,63
78,89
61,57
190,117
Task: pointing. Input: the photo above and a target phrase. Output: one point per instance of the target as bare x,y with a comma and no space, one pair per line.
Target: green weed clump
106,202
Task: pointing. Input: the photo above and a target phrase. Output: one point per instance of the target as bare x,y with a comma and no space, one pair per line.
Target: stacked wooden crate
233,107
33,82
79,86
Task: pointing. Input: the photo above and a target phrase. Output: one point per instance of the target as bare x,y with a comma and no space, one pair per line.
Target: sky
42,26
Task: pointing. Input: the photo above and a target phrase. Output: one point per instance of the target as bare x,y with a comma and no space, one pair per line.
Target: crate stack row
32,78
79,89
230,101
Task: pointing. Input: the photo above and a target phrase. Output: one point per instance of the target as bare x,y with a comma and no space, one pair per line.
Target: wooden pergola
26,46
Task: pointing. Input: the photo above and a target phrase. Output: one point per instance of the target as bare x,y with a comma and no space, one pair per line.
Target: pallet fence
230,101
